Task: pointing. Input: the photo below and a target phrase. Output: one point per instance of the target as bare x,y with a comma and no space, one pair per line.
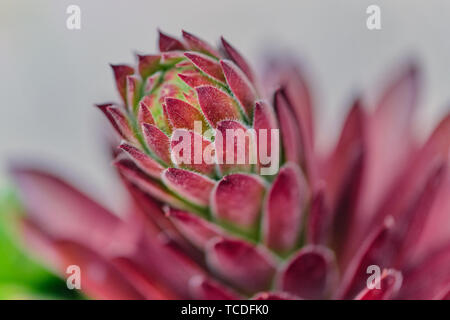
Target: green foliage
20,276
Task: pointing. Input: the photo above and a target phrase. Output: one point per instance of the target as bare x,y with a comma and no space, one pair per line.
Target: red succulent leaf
194,79
284,206
153,188
132,91
144,114
234,155
310,274
292,141
238,59
274,296
120,74
240,86
319,219
189,185
264,120
207,65
237,199
192,143
183,115
241,263
217,105
428,277
197,44
196,229
385,288
63,212
148,64
157,141
205,289
168,43
143,161
375,250
389,139
118,120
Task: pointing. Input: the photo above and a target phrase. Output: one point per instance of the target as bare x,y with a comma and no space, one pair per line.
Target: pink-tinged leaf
157,141
143,161
274,296
405,190
196,229
148,65
284,207
183,115
204,289
197,44
375,250
120,74
340,161
100,279
190,150
264,120
144,114
217,105
242,264
291,137
148,287
428,277
444,294
61,211
384,288
132,91
240,86
237,199
162,260
319,219
238,59
118,120
151,81
390,140
153,188
235,147
168,43
194,79
411,223
310,274
189,185
207,65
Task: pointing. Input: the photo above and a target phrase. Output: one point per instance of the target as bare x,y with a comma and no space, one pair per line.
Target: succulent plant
311,229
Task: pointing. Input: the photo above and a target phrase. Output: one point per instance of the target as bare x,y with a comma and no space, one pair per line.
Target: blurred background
51,77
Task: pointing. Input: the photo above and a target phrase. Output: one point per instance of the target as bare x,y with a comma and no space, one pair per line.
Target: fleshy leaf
235,147
143,161
238,59
240,86
197,44
385,288
157,141
168,43
120,74
237,199
183,115
204,289
217,105
310,274
284,206
207,65
148,65
196,229
189,185
241,263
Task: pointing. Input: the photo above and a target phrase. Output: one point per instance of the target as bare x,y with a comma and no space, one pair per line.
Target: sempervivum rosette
203,228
